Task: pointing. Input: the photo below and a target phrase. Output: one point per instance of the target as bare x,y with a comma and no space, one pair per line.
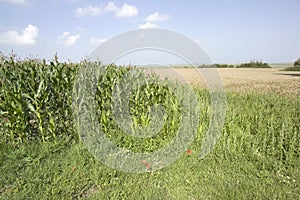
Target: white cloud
155,17
15,1
67,39
148,25
111,7
27,37
97,41
124,11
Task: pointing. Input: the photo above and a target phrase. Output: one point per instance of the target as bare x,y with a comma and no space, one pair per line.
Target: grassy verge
257,157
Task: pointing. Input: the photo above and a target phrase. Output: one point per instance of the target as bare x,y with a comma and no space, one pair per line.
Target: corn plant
35,99
112,90
36,104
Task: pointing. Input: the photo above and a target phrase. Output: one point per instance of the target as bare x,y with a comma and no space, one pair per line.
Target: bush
296,66
254,64
293,68
297,63
224,66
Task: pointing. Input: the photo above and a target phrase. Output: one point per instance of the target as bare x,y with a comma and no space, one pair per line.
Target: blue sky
231,31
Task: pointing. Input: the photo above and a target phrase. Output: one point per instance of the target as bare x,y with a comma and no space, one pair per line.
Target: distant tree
224,66
297,63
254,64
295,67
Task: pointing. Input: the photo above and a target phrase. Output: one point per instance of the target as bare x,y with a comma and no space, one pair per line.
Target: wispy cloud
156,17
124,11
67,39
27,37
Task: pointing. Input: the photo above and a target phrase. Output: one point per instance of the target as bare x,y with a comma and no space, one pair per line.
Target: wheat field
260,80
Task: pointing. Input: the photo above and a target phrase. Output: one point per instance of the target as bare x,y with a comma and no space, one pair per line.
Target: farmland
258,80
42,155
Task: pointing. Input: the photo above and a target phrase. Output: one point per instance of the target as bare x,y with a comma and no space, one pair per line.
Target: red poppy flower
189,152
146,164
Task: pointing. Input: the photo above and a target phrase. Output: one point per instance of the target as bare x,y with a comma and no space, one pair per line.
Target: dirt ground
243,79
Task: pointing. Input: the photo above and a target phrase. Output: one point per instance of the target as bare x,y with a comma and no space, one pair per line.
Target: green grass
43,172
42,156
256,157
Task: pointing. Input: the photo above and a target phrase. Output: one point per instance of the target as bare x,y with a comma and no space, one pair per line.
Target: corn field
36,104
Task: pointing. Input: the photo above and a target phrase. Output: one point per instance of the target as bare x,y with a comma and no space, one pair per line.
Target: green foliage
257,153
224,66
253,64
297,63
35,101
110,97
296,66
293,68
